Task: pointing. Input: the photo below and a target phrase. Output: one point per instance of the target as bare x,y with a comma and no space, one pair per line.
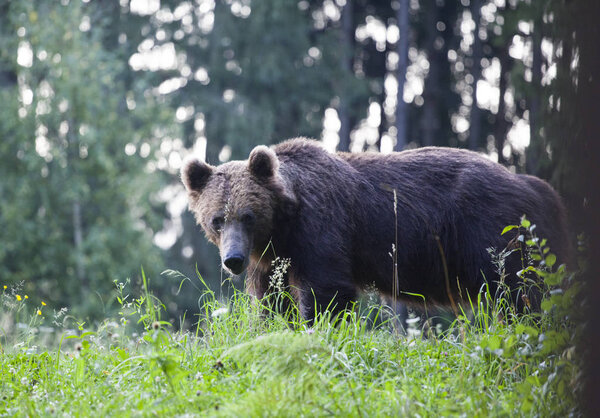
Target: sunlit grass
240,361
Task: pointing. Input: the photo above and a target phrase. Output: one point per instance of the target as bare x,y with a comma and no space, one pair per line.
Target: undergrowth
237,361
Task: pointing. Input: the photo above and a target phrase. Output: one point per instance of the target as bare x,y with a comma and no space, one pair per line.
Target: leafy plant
239,361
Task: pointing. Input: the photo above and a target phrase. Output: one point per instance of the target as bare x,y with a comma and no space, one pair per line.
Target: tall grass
239,361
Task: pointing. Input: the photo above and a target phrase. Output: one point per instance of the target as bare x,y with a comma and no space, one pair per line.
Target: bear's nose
235,263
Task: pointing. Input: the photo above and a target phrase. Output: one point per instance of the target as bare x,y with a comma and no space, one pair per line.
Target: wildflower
26,297
39,312
78,347
18,297
155,325
5,286
43,303
280,268
220,311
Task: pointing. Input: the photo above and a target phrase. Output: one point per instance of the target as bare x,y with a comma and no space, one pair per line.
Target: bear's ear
195,174
263,162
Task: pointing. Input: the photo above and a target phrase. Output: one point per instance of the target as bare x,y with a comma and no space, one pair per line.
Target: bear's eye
247,218
218,222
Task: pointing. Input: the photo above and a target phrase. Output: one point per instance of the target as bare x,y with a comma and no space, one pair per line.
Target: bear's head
238,203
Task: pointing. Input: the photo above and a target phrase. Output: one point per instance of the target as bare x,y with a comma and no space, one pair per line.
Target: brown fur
333,216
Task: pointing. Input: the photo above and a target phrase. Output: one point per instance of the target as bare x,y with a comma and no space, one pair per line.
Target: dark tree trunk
383,125
430,122
402,49
536,146
8,75
72,165
476,113
501,128
78,242
347,41
8,78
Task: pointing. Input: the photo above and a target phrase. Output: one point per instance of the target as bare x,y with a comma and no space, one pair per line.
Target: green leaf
79,370
494,342
547,305
525,222
550,260
508,228
553,279
531,331
520,273
122,354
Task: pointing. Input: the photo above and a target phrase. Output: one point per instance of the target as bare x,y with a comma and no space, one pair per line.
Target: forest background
100,101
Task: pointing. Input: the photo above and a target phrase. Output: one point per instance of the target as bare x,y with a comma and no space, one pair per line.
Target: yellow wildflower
18,297
43,303
5,286
26,297
39,312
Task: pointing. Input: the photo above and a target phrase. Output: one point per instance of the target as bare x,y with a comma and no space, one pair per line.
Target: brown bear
346,221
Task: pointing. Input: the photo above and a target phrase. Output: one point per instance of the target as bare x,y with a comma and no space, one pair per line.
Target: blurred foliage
76,209
93,132
269,74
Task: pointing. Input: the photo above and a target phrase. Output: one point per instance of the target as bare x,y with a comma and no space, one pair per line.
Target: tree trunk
501,128
476,113
430,122
72,152
78,241
347,41
8,76
536,146
402,49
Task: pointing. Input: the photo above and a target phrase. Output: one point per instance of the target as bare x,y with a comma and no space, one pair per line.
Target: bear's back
459,196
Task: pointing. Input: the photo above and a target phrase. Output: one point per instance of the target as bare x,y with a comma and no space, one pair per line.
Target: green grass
238,362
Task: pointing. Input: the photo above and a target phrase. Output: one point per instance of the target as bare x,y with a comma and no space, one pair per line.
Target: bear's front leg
320,291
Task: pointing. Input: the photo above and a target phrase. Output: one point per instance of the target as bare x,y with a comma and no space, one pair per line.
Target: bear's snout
235,262
235,246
